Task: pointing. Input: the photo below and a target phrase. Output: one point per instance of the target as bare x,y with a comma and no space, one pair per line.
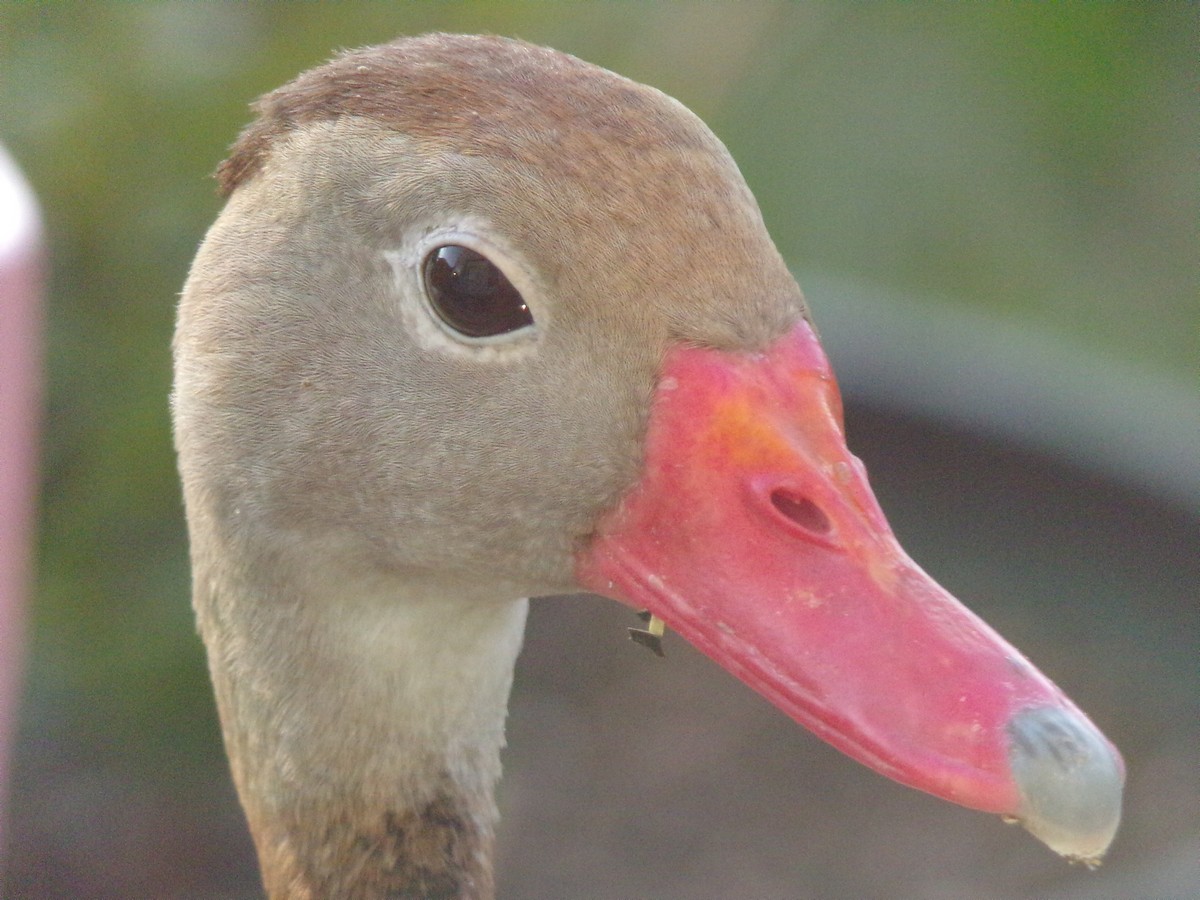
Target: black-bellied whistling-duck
480,322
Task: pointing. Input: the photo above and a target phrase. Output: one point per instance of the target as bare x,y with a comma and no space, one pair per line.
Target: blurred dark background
998,201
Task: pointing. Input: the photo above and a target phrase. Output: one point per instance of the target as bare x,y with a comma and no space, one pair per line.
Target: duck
481,322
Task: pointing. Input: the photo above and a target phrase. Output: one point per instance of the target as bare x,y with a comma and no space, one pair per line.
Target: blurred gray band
1018,384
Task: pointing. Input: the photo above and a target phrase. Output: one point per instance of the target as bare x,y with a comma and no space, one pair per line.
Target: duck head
485,318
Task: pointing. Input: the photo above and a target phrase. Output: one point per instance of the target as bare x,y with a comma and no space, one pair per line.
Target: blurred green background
1033,162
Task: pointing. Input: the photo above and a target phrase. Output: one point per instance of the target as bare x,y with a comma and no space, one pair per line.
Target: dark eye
471,295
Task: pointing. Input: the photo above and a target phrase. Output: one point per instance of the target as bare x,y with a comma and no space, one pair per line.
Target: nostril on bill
802,511
1070,781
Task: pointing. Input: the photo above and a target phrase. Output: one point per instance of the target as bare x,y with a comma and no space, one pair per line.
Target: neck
364,729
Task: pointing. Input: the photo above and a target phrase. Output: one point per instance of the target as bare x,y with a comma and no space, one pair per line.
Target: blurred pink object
20,393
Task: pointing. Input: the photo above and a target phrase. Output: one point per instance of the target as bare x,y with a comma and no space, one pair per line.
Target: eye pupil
471,295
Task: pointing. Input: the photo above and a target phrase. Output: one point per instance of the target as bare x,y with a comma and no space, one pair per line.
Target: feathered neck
364,723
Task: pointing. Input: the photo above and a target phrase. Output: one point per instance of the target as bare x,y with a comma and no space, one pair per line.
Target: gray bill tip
1070,779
